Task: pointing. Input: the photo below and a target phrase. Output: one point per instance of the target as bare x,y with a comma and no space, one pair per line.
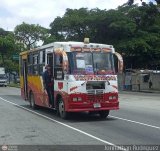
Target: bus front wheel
104,114
32,101
63,114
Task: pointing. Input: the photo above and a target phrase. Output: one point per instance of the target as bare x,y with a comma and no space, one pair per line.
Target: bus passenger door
50,61
58,68
25,81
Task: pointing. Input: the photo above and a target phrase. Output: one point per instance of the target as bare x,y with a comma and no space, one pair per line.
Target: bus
84,77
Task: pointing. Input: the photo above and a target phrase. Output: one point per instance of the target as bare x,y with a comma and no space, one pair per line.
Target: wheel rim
61,108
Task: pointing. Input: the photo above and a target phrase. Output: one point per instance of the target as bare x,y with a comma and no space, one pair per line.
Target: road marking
61,123
134,122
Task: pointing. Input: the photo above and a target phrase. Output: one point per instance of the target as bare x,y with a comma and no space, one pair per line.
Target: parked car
3,80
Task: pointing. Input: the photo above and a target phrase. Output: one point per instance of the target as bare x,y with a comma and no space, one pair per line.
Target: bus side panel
61,89
22,87
35,86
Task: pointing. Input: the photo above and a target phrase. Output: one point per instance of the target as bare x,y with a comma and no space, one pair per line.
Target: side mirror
120,62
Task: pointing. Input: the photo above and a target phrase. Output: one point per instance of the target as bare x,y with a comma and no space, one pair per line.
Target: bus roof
72,44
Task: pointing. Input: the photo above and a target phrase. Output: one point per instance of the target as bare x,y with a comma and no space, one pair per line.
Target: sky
43,12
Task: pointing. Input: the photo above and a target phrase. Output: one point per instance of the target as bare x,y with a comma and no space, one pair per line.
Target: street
136,123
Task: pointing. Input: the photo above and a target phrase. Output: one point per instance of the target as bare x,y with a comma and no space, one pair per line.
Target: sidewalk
143,91
150,91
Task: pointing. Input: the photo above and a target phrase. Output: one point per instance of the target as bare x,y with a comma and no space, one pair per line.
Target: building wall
120,81
140,81
156,81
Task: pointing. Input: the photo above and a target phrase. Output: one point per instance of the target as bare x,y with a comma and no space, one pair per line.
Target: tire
61,109
32,101
92,112
104,114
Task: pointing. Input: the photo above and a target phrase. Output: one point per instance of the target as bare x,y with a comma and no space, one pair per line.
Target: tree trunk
2,55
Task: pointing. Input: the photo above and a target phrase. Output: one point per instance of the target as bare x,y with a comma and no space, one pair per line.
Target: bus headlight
112,97
74,99
77,99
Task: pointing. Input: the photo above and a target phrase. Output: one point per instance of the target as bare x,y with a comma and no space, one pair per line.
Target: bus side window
41,61
35,64
50,61
30,64
58,69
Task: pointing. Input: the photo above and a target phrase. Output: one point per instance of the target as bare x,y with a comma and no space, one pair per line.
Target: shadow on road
73,117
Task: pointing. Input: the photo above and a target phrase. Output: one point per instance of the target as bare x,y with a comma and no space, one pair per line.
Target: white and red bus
84,77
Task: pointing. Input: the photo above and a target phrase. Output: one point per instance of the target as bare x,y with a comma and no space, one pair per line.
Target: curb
142,91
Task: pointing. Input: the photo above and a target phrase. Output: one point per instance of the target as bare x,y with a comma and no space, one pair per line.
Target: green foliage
11,66
130,2
75,24
158,1
133,30
6,45
3,32
49,39
29,34
16,85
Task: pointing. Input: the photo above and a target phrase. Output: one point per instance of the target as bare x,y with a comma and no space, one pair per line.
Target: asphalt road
136,123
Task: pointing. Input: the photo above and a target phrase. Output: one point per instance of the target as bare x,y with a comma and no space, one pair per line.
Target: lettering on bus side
94,77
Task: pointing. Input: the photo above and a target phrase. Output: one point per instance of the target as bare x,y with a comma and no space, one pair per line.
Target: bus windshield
91,63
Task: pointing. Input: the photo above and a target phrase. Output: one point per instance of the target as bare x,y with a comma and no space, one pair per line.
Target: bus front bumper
96,106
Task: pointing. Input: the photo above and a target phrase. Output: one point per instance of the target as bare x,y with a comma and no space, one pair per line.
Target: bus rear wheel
104,114
32,101
61,107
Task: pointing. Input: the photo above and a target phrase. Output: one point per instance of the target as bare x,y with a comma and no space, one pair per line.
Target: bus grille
95,95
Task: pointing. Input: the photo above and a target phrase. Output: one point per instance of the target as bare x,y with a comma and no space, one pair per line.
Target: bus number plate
96,105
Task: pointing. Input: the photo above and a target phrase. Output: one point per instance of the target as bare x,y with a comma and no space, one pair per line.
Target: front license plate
96,105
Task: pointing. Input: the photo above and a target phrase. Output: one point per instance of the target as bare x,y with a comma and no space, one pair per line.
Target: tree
3,32
133,30
50,39
72,26
6,45
158,1
30,34
142,48
130,2
8,48
11,66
